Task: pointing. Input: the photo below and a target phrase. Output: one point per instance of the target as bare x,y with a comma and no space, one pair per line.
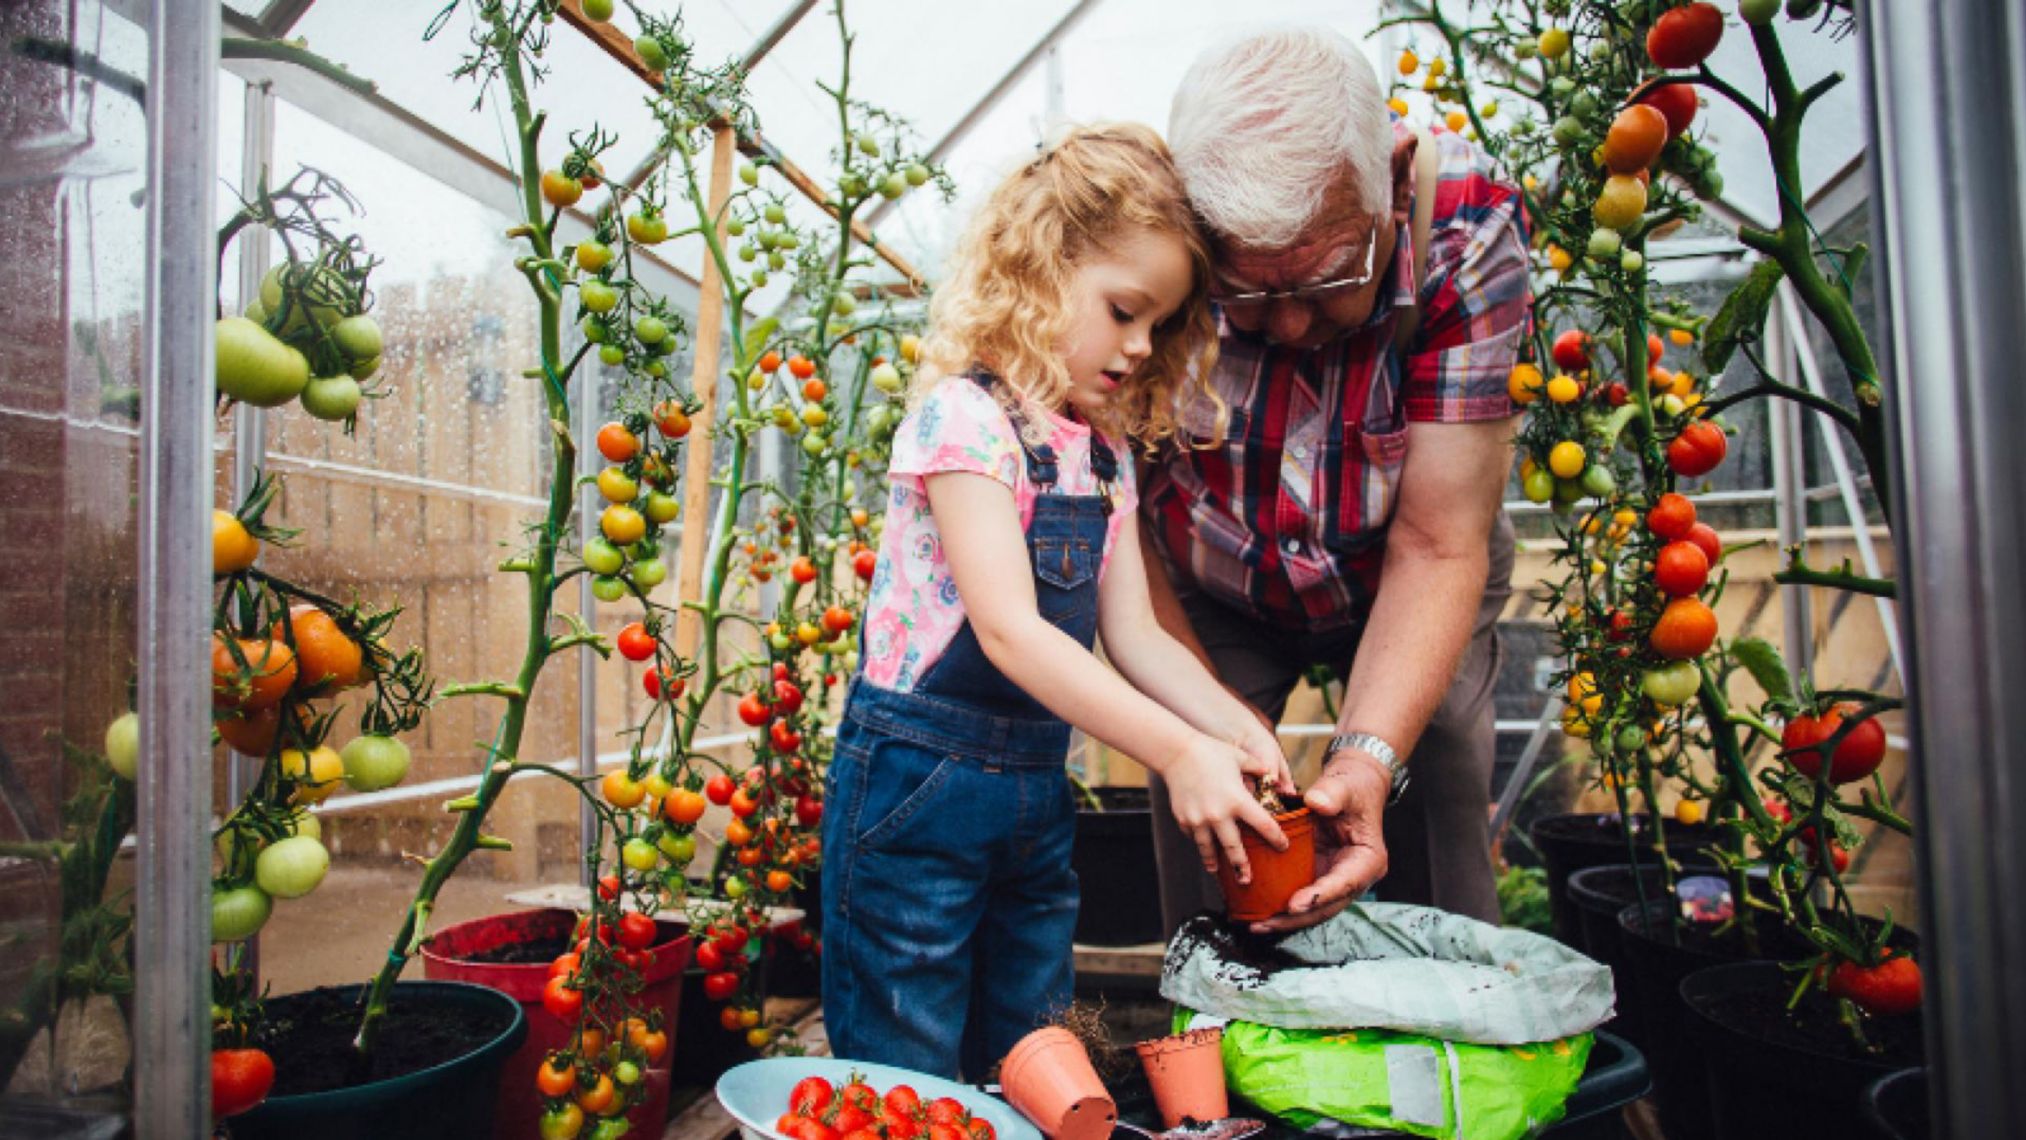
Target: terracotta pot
1049,1078
1276,875
1187,1072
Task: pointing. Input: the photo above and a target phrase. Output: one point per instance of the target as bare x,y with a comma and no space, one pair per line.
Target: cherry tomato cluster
857,1111
638,486
601,1074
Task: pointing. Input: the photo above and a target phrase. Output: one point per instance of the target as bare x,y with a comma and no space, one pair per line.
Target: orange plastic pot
1276,875
1049,1078
1187,1074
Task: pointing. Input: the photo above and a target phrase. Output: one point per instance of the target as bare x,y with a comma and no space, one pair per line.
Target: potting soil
310,1038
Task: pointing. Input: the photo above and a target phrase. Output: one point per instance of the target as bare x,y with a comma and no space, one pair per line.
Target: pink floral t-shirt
914,612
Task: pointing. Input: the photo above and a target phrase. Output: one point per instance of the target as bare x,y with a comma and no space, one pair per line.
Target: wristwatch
1378,750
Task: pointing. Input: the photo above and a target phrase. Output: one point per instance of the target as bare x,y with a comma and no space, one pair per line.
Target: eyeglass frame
1310,292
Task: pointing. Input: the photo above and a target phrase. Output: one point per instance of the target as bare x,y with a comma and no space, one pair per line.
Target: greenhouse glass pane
417,509
381,40
73,190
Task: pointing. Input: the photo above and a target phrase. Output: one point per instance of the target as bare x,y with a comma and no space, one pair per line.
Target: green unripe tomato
123,745
358,337
599,10
374,762
1598,480
777,260
639,854
735,889
886,378
626,1073
649,573
611,355
598,296
652,55
291,868
238,913
844,304
868,146
594,330
749,174
1568,491
814,443
916,174
780,642
1631,261
735,227
662,508
1605,242
1538,486
1584,104
680,849
332,398
1567,132
892,186
775,215
1631,738
601,557
607,589
1672,684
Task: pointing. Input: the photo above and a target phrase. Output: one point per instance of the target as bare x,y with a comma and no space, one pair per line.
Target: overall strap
1041,467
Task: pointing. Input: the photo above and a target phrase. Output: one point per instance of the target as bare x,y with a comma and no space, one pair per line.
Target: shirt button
1299,452
1291,546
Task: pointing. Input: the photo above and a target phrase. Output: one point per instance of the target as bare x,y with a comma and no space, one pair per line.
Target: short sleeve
957,427
1476,307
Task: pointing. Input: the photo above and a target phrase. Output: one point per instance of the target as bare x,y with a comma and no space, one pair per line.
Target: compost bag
1397,1017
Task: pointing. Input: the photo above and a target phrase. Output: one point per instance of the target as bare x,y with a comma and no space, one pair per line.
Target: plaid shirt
1286,521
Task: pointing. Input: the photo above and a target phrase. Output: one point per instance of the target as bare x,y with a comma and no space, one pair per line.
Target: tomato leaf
1763,662
757,337
1743,314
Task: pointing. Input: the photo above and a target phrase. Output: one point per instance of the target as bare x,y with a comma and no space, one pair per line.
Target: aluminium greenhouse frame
1962,544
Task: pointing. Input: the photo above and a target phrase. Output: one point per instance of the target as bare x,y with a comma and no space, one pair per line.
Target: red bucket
447,957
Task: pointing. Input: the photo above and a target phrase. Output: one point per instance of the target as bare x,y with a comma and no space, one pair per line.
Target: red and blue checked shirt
1286,520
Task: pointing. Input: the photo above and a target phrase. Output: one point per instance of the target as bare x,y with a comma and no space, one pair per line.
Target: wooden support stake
696,484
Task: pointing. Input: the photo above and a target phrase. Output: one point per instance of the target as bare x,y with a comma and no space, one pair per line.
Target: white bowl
756,1093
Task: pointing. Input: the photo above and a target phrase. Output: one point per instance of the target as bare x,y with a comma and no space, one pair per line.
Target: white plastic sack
1392,966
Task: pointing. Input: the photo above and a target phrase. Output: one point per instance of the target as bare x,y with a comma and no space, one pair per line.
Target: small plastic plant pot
1276,875
1049,1078
1187,1074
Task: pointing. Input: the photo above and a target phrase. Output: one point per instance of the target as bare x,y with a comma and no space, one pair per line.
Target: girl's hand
1264,760
1207,791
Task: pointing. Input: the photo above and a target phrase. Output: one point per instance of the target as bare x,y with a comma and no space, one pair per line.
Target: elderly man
1350,515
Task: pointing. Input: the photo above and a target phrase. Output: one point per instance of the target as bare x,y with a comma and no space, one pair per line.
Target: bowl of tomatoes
828,1098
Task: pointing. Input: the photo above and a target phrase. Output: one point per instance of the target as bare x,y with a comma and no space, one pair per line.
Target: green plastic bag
1380,1078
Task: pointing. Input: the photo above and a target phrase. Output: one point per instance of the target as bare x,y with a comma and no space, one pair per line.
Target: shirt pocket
1368,487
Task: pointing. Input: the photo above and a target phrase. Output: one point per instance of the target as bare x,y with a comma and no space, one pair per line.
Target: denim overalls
948,899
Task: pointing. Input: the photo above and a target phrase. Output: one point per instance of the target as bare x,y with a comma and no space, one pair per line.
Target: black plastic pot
1759,1086
1114,863
1896,1106
1598,894
1569,843
451,1101
1654,967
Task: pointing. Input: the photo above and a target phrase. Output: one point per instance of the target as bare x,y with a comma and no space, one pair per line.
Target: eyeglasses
1308,292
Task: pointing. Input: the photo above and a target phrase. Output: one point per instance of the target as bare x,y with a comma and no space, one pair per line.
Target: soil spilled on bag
310,1037
1244,959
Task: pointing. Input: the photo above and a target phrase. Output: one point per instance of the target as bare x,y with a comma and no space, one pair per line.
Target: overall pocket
1063,567
902,781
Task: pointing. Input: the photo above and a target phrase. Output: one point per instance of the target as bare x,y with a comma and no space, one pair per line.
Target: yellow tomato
1688,813
1398,106
1573,723
1456,121
622,524
910,348
1564,390
317,773
1523,384
1681,337
1621,203
1567,459
1682,385
232,548
1560,259
1409,62
1438,67
1554,43
617,486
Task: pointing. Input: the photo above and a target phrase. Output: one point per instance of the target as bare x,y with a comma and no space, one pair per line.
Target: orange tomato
1687,628
623,791
233,547
270,671
554,1079
596,1099
683,806
815,390
251,733
616,443
326,660
779,882
737,833
801,367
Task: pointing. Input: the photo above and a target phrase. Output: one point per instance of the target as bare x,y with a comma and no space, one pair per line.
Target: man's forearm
1418,629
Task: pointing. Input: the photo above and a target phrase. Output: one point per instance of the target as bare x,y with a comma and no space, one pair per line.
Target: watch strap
1377,749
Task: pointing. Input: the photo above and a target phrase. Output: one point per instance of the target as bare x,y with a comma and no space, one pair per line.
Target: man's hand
1348,800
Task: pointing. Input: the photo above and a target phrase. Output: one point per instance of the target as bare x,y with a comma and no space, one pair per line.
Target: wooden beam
616,45
696,485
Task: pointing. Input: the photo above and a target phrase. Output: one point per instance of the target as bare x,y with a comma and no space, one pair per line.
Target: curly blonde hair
1005,305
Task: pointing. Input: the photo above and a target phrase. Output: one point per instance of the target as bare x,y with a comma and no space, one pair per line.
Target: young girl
1075,310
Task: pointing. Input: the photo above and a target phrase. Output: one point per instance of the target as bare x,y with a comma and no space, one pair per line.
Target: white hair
1261,126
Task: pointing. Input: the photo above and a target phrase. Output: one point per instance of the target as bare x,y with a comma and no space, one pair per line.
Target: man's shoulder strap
1427,172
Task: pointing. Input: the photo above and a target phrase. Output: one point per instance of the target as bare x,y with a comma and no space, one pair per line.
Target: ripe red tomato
981,1129
718,789
608,886
721,985
903,1101
670,418
634,642
783,738
660,681
801,367
788,697
770,362
947,1110
1676,101
811,1096
1705,536
1572,350
1891,987
803,570
808,811
564,966
617,444
837,619
240,1080
753,711
561,1000
1839,856
894,1126
1616,394
859,1095
1697,450
1858,756
743,805
864,563
1671,517
1684,37
939,1131
1680,569
636,930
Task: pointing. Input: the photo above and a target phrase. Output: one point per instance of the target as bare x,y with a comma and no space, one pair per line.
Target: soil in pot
310,1034
1793,1074
1569,843
1114,864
